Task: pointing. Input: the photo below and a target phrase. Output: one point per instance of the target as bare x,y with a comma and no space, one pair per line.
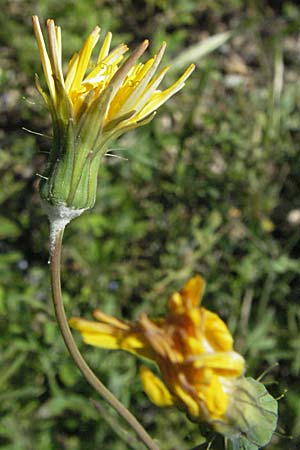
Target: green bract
253,416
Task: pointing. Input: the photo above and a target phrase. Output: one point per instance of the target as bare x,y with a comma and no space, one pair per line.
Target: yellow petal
159,98
84,58
193,291
189,297
102,340
155,389
111,335
215,398
106,336
106,68
59,46
147,93
142,80
216,332
106,318
54,40
98,334
44,56
115,56
105,47
175,302
191,404
194,345
72,67
83,325
121,74
224,363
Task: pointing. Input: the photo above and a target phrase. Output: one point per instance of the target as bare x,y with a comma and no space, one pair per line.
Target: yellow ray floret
134,85
156,390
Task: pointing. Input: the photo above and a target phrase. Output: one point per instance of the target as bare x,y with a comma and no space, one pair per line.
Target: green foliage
255,414
211,186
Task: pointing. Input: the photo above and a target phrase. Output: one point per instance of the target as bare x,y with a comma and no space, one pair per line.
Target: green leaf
253,416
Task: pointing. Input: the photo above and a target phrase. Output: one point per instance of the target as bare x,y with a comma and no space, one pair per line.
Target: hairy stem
75,353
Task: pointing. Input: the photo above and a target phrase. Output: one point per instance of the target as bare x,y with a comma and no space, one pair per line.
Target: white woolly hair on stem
59,216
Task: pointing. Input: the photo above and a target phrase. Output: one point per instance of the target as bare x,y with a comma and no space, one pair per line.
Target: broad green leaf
253,416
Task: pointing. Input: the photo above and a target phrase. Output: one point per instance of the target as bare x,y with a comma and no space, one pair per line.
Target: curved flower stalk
200,371
92,107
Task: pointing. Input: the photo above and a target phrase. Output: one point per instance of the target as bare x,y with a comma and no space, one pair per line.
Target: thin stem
75,353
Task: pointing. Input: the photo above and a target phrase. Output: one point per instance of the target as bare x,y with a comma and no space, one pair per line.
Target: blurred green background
211,186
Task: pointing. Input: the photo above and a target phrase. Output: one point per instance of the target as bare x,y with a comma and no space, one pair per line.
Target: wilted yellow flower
200,371
92,104
192,347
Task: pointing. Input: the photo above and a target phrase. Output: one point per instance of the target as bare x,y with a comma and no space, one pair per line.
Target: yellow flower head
92,104
192,347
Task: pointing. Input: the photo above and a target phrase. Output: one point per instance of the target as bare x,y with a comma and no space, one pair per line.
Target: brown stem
76,355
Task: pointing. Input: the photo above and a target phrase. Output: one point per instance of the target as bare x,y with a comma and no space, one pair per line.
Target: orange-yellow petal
112,334
216,332
226,363
184,394
98,334
155,389
215,398
193,291
106,318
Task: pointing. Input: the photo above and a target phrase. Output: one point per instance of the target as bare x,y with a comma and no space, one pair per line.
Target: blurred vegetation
211,186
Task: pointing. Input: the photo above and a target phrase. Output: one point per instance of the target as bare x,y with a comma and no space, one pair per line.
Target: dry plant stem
76,355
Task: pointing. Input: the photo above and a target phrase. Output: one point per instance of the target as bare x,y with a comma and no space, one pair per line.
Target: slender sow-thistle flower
200,371
91,105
